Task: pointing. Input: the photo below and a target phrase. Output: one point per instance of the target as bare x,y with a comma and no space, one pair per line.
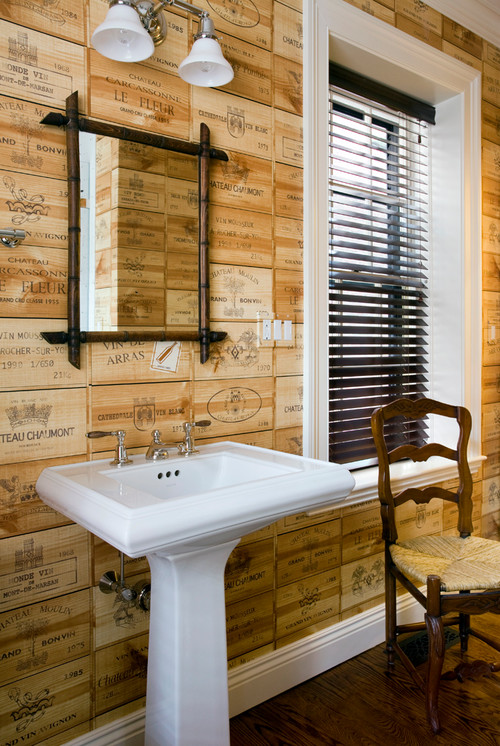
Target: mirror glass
139,236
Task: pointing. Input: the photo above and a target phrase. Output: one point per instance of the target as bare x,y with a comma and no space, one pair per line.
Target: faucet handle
188,447
202,423
120,450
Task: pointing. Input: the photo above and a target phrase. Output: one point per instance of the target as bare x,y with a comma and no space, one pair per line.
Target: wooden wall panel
383,10
46,704
139,409
43,565
419,520
289,440
249,570
288,79
27,145
120,672
251,22
289,401
136,96
245,127
304,603
288,138
34,281
137,362
238,293
44,634
362,581
40,68
239,355
361,534
21,510
308,551
27,361
247,236
491,84
249,624
36,424
252,69
288,191
289,243
65,19
288,37
36,205
232,407
243,182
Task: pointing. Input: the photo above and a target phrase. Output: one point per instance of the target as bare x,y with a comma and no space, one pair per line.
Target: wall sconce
12,237
132,29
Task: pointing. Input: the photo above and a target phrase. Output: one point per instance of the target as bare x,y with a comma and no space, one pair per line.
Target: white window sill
404,474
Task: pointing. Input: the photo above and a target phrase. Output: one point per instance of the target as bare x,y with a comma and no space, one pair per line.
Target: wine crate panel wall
34,280
27,361
285,581
21,510
138,97
247,235
42,424
307,602
48,703
120,672
249,624
239,355
39,68
44,634
43,565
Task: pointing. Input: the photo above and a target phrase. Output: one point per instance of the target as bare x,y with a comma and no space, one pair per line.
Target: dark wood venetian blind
378,259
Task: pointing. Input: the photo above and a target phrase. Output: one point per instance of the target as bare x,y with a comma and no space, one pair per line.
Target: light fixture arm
154,22
133,28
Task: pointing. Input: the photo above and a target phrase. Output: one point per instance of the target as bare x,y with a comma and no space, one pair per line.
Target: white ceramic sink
224,492
187,515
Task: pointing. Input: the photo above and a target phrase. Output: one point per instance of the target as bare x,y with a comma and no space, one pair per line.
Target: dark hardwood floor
359,704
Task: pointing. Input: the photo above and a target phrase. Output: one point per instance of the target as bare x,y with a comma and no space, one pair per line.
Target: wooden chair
462,573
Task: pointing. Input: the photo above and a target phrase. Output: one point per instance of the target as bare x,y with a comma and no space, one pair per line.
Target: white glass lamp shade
205,64
122,37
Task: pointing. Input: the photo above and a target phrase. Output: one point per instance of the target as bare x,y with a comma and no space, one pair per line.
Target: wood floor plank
359,704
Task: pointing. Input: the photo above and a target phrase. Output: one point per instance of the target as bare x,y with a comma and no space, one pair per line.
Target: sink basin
224,492
187,515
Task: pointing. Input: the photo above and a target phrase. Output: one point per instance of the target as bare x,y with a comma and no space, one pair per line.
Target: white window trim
455,89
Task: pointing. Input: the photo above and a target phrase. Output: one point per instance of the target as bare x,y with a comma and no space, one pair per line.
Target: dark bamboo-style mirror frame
75,336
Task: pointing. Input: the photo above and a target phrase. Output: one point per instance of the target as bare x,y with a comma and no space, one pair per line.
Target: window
378,262
336,30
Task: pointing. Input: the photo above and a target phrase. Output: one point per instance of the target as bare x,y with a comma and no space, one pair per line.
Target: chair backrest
388,424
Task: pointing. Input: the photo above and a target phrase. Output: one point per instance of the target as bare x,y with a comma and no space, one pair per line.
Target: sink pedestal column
187,696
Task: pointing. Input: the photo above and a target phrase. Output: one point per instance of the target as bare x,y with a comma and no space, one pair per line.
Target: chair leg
435,631
464,627
390,612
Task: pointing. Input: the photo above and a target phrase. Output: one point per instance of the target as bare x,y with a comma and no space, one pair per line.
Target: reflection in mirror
145,199
139,236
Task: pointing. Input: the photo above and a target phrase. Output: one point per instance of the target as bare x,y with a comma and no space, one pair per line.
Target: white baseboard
271,674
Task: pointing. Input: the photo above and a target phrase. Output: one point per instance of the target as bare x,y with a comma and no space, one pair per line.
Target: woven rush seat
461,564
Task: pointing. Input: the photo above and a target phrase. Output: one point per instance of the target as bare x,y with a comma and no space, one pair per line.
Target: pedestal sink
187,515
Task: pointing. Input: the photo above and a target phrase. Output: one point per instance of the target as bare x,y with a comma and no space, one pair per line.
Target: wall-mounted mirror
138,235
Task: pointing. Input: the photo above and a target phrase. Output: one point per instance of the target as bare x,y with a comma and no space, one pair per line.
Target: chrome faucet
157,450
187,448
121,456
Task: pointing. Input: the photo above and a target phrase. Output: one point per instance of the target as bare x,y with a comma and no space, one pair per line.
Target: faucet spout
157,450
